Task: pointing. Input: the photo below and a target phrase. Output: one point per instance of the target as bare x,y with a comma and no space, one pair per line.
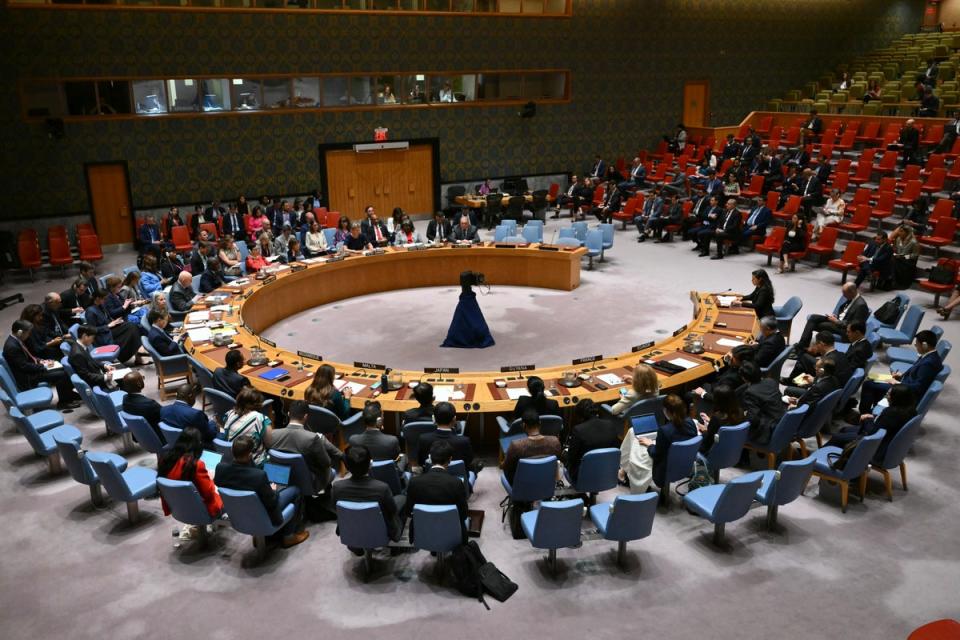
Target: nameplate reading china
369,365
269,342
588,359
518,367
641,347
310,356
441,369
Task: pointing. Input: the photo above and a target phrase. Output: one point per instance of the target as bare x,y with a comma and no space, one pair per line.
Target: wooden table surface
478,202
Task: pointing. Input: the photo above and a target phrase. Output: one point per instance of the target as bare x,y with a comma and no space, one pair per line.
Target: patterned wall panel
628,59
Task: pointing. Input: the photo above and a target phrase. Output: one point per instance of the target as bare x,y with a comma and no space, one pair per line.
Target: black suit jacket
382,446
458,233
596,433
163,343
233,225
229,381
86,366
761,301
71,301
444,232
246,477
210,281
844,370
181,299
551,407
367,229
197,265
26,372
462,448
763,407
858,354
818,391
437,487
140,405
768,348
367,489
857,311
419,414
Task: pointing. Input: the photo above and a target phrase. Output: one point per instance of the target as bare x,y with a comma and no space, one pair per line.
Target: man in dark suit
380,445
73,301
811,194
799,158
672,216
761,402
825,382
612,200
446,418
52,324
360,487
909,142
755,226
88,368
200,257
918,377
813,127
464,232
29,371
929,104
137,404
592,432
770,167
599,170
374,229
242,475
698,216
438,487
823,346
770,344
950,133
727,228
646,217
158,337
149,236
181,414
282,216
878,256
181,293
854,309
439,228
732,149
860,349
233,223
198,218
212,277
423,394
318,453
214,211
228,378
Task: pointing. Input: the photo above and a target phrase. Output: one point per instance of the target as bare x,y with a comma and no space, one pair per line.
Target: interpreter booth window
306,92
336,91
329,4
43,100
387,89
449,89
215,95
172,3
81,98
114,96
488,86
361,90
183,95
415,89
236,4
276,93
149,98
544,85
246,94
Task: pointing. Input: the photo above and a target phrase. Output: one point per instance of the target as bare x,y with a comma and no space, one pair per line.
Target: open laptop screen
647,423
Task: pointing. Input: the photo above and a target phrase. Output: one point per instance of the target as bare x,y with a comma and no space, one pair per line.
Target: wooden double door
385,178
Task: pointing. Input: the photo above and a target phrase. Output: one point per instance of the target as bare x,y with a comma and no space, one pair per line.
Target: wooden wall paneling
340,179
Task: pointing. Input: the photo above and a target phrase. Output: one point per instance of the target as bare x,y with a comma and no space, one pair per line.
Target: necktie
806,189
27,351
379,234
753,216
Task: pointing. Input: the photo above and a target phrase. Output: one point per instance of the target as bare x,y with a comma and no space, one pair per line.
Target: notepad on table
729,342
200,335
610,378
683,362
518,392
725,301
355,387
198,316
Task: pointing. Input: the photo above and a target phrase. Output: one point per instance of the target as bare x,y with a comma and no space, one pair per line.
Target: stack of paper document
200,335
119,373
519,392
683,362
355,387
610,378
198,316
729,342
725,301
221,307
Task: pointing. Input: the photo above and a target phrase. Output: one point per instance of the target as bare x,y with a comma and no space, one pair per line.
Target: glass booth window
183,95
215,94
81,98
361,91
336,91
387,89
246,94
43,100
415,89
276,93
306,92
149,97
114,96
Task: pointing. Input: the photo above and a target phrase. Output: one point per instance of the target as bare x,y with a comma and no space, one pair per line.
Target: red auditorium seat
848,260
772,243
943,232
912,172
910,193
89,246
59,251
860,221
939,289
29,253
935,182
825,245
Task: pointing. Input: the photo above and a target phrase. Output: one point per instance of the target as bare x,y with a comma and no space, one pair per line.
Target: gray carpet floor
73,571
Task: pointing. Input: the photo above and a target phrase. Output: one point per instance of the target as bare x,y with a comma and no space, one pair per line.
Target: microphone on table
554,236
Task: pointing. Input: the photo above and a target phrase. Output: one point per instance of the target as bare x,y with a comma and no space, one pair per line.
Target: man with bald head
137,404
853,309
52,325
464,232
181,293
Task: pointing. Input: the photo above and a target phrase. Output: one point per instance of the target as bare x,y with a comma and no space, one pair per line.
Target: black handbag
942,275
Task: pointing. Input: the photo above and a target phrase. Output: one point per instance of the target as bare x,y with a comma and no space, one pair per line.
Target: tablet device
211,459
277,473
645,424
273,374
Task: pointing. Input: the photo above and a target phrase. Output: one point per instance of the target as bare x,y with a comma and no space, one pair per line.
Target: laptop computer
278,474
645,425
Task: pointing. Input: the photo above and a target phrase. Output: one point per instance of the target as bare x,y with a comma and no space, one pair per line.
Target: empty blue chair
111,415
411,433
628,517
511,226
775,368
909,355
436,528
326,422
855,468
124,485
537,227
43,444
817,419
931,394
606,228
723,503
170,369
360,525
726,451
500,233
40,420
170,434
787,313
783,486
680,461
896,453
553,526
26,401
220,401
248,516
142,432
567,233
908,328
568,241
224,448
532,234
598,472
80,468
783,434
186,505
459,469
580,231
594,244
386,471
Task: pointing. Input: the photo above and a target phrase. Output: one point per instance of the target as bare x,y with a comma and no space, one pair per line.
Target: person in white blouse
407,234
830,213
315,242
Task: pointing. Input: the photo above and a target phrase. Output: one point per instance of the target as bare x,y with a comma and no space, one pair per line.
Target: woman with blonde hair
644,385
636,465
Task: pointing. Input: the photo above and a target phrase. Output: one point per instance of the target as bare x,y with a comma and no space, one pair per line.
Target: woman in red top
182,462
255,259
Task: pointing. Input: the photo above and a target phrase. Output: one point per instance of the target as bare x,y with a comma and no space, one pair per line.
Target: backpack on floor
473,575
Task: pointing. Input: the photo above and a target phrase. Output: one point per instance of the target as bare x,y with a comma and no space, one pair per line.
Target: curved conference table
253,305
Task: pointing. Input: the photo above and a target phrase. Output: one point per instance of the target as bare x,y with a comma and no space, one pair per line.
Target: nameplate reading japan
441,369
369,365
514,368
269,342
641,347
309,356
588,359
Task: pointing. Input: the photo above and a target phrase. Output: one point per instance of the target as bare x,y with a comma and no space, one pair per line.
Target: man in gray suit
853,309
181,293
464,232
318,452
382,446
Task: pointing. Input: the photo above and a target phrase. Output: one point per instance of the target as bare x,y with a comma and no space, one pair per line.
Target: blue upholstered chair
29,400
580,231
500,233
224,448
815,420
170,434
248,516
104,355
111,415
300,475
170,369
567,233
202,375
86,394
386,471
43,444
549,426
360,525
532,234
896,454
783,434
79,467
680,461
594,245
931,394
723,503
436,528
553,526
653,406
787,313
124,485
907,330
40,420
65,363
143,433
783,486
220,401
909,355
186,505
534,480
411,432
598,472
459,469
567,241
628,517
873,324
854,469
849,390
326,422
727,449
775,368
607,229
511,226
